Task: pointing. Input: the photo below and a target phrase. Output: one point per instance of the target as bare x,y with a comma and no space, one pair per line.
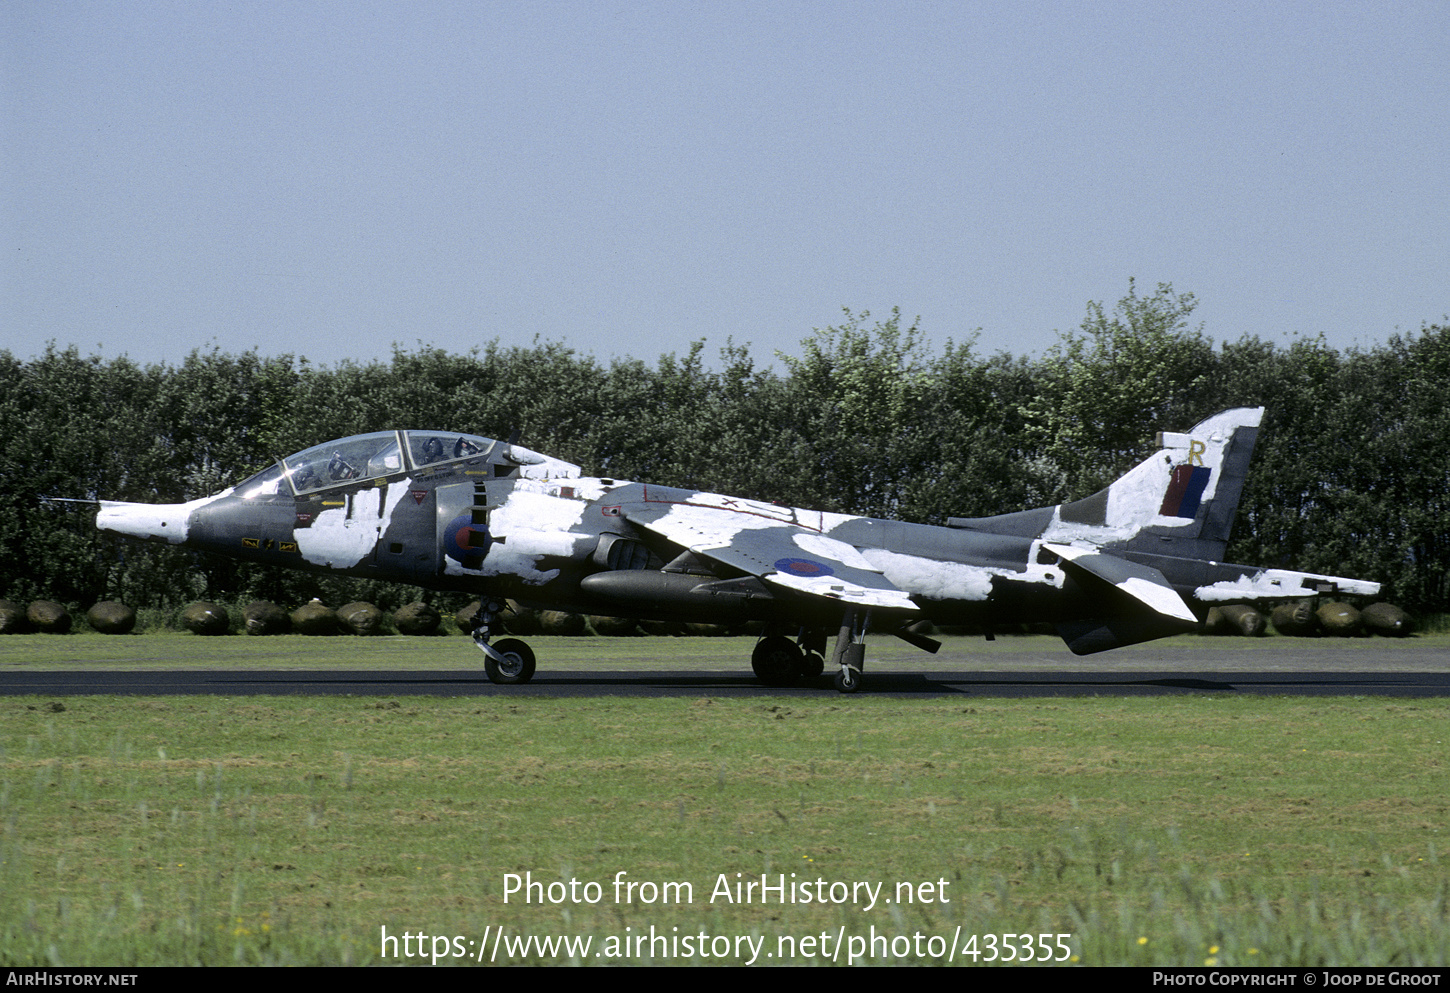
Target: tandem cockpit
384,455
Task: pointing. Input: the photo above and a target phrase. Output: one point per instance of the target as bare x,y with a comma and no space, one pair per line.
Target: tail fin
1180,501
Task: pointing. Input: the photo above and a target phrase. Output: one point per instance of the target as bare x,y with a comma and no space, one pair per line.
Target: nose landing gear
509,661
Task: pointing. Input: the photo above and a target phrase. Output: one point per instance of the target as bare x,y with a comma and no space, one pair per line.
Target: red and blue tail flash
1185,491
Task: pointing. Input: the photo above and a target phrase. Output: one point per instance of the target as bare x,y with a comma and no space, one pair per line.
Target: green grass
222,830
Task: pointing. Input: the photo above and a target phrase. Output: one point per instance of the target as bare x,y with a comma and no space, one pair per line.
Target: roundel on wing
805,568
456,535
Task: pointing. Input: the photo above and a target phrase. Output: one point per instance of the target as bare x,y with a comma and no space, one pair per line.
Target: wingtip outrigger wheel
850,651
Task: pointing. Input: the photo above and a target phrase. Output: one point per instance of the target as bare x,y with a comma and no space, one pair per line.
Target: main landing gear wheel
812,665
517,665
777,661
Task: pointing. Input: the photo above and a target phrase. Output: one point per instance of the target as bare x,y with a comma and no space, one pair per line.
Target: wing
765,541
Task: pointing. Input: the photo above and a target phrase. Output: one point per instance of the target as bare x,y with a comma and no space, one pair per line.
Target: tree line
1349,478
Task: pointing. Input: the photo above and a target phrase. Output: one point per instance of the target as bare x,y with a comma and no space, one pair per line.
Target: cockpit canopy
395,453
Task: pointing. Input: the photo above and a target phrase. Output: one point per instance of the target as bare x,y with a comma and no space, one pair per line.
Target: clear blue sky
326,179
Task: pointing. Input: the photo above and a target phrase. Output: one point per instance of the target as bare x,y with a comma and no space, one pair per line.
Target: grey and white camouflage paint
1139,560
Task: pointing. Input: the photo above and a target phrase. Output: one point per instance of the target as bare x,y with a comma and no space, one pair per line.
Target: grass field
304,830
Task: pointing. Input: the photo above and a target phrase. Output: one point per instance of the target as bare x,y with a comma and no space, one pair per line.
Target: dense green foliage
1348,477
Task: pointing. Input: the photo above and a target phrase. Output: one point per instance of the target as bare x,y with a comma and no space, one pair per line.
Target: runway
1021,683
1024,667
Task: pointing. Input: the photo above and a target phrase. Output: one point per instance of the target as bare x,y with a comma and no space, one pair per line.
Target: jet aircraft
1139,560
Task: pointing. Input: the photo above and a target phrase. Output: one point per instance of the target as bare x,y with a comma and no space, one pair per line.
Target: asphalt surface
1179,679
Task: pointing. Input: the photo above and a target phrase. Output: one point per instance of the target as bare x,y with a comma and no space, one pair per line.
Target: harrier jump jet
1137,561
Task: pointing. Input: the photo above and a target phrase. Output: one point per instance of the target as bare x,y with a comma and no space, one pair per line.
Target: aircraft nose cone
149,522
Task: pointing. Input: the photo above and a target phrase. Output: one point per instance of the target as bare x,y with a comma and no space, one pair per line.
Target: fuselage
467,513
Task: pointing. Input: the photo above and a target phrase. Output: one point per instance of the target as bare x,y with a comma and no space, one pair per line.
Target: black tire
776,661
848,680
519,667
812,665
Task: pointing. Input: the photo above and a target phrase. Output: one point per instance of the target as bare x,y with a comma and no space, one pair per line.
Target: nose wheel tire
848,680
517,665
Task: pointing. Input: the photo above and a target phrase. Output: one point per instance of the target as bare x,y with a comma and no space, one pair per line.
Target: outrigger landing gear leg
510,661
850,651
